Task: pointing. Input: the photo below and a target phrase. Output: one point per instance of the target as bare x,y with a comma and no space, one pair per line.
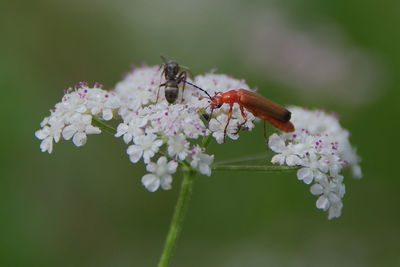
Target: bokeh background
86,206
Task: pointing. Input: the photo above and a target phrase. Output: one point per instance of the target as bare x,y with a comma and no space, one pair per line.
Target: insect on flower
173,76
259,106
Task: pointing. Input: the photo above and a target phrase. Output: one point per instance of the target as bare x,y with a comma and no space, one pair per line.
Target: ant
173,76
259,106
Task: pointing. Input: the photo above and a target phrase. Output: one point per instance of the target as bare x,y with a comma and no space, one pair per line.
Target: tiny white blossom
286,153
313,169
100,101
178,146
78,129
201,161
330,195
130,130
145,146
49,133
160,174
217,126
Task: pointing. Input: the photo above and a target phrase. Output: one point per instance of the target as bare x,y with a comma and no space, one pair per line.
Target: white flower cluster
167,136
149,126
322,148
72,117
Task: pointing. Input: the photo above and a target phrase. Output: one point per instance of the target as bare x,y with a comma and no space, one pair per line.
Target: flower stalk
104,126
177,219
260,168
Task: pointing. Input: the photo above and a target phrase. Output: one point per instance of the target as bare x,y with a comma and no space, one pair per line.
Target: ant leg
162,74
182,77
265,134
229,119
186,69
245,120
158,91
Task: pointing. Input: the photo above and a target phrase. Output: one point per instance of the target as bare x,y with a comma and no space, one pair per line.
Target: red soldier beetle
259,106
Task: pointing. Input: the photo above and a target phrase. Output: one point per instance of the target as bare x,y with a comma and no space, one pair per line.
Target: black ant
173,76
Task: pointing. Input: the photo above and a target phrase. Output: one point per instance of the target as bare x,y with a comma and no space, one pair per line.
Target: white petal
357,171
182,155
151,182
81,108
166,182
204,169
278,159
322,203
42,133
44,121
87,119
47,145
157,143
57,135
323,166
276,143
233,136
319,176
147,155
292,160
335,211
127,138
214,125
207,159
162,161
90,129
121,129
151,167
135,153
95,110
68,132
305,174
334,199
316,189
171,167
219,137
79,139
107,114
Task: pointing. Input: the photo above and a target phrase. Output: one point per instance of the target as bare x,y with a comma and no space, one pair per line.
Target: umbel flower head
166,137
321,147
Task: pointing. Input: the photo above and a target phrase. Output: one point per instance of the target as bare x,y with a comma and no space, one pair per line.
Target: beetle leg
182,77
229,119
244,117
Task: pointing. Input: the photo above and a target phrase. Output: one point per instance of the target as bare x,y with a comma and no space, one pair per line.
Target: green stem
207,140
244,159
104,126
262,168
177,219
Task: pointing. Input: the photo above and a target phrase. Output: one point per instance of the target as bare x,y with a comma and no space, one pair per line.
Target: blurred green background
86,206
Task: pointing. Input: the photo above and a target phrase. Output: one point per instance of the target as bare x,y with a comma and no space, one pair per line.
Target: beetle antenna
198,88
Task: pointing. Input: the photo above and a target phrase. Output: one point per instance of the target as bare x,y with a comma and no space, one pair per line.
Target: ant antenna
164,59
198,88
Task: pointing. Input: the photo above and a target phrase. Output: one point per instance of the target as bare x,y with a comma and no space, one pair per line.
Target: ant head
172,68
